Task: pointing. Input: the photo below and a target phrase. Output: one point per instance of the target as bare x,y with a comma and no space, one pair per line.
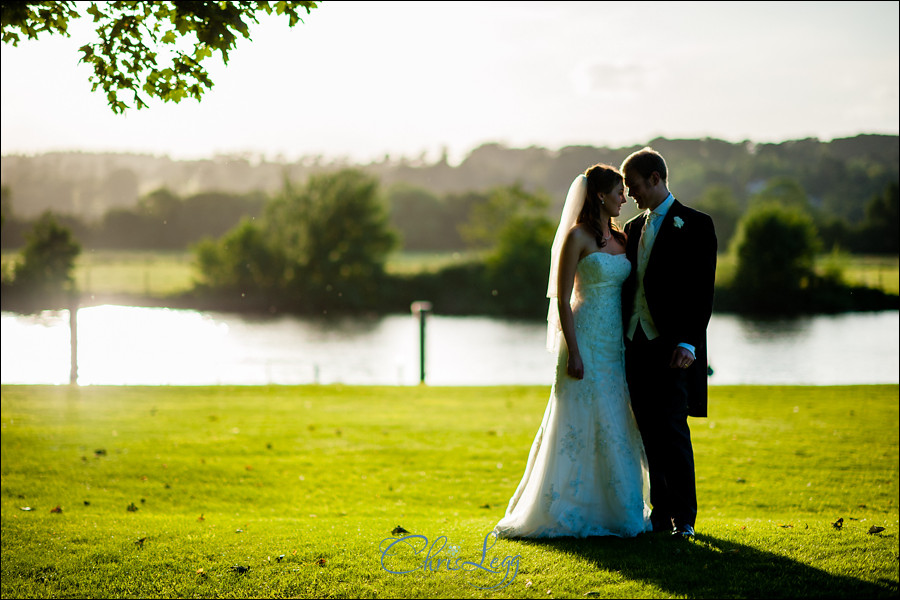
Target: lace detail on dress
571,444
586,472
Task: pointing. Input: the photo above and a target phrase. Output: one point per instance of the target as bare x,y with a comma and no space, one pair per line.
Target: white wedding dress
587,471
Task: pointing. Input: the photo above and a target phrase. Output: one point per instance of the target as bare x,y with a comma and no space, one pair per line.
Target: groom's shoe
686,531
662,525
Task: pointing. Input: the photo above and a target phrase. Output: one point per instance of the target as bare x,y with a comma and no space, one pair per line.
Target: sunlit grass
160,274
154,274
880,272
408,263
239,476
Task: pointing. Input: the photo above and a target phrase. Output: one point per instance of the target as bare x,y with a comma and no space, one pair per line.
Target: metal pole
73,339
421,309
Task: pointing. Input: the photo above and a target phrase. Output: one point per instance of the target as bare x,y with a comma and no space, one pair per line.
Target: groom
666,305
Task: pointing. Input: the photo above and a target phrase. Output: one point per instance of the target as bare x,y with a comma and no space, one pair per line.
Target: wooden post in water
73,338
421,309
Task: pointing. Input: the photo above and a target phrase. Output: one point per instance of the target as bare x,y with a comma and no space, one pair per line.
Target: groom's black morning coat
678,284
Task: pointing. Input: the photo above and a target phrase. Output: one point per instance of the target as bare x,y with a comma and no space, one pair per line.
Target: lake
124,345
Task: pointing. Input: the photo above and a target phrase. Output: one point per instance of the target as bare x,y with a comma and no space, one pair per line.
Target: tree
718,202
776,249
783,190
487,219
420,218
126,58
517,267
48,260
880,232
336,236
243,261
318,247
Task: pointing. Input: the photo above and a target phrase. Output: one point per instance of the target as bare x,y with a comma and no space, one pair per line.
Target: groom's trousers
659,399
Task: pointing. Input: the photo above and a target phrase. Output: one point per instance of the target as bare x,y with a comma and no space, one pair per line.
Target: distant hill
839,176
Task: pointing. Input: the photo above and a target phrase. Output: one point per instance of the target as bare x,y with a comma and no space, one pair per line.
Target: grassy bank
172,492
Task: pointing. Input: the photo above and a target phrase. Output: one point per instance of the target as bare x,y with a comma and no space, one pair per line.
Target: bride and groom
627,319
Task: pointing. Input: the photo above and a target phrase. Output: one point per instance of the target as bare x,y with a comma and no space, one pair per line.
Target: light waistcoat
641,313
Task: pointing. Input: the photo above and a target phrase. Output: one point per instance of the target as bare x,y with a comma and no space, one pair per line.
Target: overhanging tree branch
151,48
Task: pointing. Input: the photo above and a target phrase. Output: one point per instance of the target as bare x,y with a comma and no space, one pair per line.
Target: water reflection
120,345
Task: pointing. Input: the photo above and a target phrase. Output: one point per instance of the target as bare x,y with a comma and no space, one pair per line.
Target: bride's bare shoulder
579,232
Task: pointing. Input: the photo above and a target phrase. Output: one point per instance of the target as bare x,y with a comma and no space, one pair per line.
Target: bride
586,473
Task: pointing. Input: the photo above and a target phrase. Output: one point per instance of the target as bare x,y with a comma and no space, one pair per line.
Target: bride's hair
601,179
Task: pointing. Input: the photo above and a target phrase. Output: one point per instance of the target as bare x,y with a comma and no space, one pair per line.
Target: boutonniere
679,222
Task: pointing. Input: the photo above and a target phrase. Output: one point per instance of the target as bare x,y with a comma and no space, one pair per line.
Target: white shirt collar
664,207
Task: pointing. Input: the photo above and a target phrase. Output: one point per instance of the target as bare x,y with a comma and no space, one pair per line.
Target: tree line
426,221
321,246
837,178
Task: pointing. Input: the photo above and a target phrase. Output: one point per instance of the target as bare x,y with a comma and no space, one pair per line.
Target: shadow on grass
707,567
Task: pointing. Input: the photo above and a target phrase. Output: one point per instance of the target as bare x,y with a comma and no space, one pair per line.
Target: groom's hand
574,367
681,358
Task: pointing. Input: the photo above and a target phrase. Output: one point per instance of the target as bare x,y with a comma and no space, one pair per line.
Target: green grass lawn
301,485
155,274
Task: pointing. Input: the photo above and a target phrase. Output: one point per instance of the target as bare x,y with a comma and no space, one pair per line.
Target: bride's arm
568,261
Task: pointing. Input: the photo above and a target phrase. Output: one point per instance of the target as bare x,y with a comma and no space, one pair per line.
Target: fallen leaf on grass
200,518
201,572
838,524
398,530
321,562
58,509
875,529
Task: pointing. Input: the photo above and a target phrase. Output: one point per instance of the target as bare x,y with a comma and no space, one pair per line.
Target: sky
362,80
